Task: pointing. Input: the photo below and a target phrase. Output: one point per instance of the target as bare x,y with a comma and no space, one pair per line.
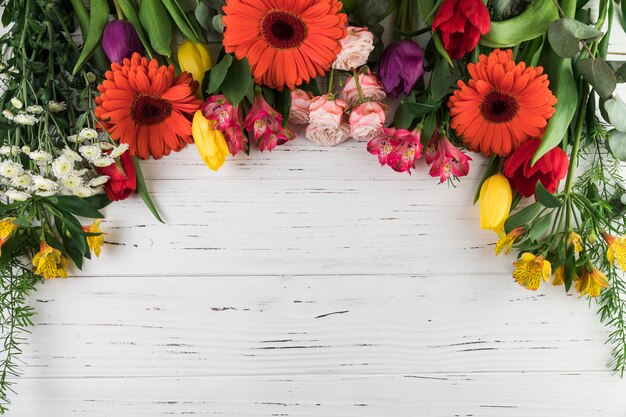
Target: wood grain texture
309,282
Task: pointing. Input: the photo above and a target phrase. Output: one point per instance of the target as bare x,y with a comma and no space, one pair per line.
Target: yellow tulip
495,202
210,143
196,60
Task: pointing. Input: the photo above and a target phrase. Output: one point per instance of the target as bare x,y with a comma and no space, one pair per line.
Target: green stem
118,10
331,76
358,86
577,136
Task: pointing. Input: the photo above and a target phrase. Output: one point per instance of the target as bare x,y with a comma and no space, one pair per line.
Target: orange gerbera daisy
146,106
287,42
502,105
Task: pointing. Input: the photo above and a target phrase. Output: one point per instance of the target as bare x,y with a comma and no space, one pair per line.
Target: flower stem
118,10
569,184
358,86
331,76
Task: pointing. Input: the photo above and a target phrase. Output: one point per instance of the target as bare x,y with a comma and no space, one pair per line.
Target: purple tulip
120,40
401,66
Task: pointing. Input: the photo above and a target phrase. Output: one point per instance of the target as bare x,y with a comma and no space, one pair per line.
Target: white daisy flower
16,195
88,134
105,146
56,107
117,152
90,152
71,154
8,114
71,181
36,109
26,149
9,150
41,193
22,181
25,119
40,156
43,184
83,192
75,139
17,103
62,166
10,169
98,181
81,172
103,161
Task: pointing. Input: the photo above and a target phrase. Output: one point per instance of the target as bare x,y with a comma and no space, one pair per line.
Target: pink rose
323,111
366,120
371,88
326,135
355,49
300,103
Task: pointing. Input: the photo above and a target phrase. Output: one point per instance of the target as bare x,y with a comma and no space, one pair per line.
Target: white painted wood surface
309,282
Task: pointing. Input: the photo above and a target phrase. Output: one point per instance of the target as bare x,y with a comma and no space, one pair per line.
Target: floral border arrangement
87,93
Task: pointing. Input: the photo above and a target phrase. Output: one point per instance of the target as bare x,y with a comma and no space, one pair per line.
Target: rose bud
120,41
401,66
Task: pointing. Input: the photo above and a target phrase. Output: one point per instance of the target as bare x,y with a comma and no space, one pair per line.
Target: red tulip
120,184
460,24
549,169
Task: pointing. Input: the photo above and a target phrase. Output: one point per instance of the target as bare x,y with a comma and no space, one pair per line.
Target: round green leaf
617,143
598,73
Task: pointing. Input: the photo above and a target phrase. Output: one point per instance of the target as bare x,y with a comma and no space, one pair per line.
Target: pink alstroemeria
266,124
446,159
398,148
220,110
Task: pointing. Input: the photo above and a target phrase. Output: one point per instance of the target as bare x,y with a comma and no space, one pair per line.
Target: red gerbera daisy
146,106
287,42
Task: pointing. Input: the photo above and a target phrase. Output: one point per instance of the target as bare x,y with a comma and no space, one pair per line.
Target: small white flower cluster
27,117
65,173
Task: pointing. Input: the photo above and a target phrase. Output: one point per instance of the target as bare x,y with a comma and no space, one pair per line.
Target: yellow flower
592,283
617,250
195,59
559,276
49,263
530,270
7,229
210,143
94,242
575,240
506,241
495,202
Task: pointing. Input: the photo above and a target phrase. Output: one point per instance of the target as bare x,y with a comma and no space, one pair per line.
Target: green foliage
98,18
155,20
237,81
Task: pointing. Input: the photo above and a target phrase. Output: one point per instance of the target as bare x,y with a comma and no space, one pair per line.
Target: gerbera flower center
148,109
283,29
499,107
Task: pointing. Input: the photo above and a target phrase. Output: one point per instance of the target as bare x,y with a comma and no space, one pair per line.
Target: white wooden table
309,282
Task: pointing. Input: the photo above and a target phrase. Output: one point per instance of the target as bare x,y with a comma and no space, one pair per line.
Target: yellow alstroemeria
7,229
94,242
617,250
506,241
575,240
49,263
196,60
495,202
559,276
592,283
530,270
210,143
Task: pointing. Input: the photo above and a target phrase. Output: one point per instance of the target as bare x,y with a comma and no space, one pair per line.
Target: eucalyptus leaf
617,144
98,18
217,23
599,74
369,12
155,20
615,110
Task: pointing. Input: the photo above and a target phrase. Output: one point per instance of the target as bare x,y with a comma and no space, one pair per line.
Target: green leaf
615,110
217,23
565,89
430,124
522,217
402,118
440,80
237,81
540,227
155,20
428,8
76,205
283,104
129,8
418,109
620,72
204,14
349,5
181,20
532,23
99,201
142,190
599,74
492,168
545,197
441,49
98,18
312,87
369,12
617,144
569,268
566,34
218,73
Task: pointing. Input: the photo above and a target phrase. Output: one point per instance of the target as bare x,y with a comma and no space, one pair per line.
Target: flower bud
195,59
120,41
495,202
210,143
